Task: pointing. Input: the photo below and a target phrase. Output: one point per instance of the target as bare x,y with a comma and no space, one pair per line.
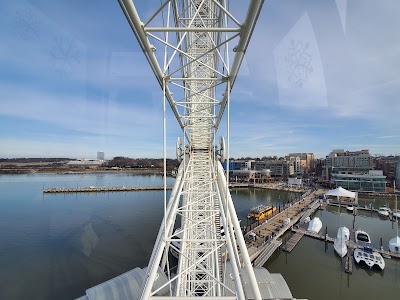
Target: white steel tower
186,44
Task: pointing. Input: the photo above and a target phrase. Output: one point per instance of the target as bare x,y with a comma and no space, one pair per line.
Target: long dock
292,242
94,189
270,231
351,244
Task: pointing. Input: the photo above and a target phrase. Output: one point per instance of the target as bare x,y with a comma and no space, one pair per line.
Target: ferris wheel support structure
186,43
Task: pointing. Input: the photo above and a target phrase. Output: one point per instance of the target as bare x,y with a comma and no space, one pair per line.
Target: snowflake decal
27,24
298,61
65,54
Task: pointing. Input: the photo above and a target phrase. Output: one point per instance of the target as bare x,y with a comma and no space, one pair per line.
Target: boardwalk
323,206
94,189
266,254
277,225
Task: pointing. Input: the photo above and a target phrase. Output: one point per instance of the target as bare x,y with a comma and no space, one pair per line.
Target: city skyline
315,78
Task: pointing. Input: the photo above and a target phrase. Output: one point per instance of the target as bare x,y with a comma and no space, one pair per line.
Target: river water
55,246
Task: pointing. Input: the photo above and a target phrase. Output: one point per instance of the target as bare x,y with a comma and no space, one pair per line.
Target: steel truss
197,77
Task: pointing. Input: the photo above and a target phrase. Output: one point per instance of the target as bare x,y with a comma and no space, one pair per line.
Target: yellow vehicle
261,212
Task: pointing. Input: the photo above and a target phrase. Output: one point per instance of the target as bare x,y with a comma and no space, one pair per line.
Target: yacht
342,237
362,238
394,243
384,211
315,225
369,257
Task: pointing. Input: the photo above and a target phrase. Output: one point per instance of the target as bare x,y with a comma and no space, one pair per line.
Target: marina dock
348,266
268,234
94,189
351,244
270,231
292,242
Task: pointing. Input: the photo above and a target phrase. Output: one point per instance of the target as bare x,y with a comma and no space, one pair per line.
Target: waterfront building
296,162
388,165
301,162
253,176
373,181
355,159
295,182
351,162
306,159
231,165
281,168
319,167
239,164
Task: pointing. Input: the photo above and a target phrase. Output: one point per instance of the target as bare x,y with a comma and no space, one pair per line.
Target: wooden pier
292,242
348,266
94,189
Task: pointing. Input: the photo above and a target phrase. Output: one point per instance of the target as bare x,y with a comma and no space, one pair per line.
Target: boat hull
362,237
340,247
369,258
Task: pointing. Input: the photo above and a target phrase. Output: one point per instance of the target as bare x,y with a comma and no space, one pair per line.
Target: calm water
56,246
314,271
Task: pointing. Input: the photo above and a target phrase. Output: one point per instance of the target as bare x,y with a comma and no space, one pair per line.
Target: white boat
343,233
315,225
369,257
350,208
394,243
384,211
342,237
362,238
307,220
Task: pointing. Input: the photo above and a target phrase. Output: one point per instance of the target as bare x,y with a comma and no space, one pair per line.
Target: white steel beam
193,37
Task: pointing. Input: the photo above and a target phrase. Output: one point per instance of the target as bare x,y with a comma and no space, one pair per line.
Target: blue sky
73,81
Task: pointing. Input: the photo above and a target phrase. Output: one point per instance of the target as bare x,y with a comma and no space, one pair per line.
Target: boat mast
395,208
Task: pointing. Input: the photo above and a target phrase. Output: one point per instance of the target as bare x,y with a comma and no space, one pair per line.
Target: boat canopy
341,192
315,225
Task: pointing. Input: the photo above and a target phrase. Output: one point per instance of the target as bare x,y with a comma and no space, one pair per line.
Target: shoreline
144,171
268,186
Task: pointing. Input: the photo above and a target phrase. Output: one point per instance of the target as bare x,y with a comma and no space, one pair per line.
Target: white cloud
78,113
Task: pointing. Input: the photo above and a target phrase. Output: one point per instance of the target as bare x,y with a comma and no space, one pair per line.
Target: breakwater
93,189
